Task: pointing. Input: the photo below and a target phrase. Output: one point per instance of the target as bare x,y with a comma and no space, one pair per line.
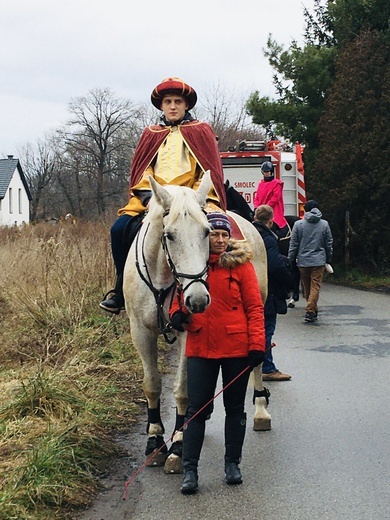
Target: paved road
328,453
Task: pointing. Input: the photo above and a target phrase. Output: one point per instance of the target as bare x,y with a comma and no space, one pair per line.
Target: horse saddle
132,228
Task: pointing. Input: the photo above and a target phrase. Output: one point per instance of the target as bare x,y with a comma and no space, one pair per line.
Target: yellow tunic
174,164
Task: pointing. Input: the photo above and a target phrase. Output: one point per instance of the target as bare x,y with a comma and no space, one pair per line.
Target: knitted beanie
219,220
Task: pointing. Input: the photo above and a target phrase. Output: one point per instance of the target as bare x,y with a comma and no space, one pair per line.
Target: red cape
202,143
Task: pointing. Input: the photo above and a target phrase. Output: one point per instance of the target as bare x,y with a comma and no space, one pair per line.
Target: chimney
10,156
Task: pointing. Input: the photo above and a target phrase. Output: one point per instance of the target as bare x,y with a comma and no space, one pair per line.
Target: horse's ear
162,196
204,188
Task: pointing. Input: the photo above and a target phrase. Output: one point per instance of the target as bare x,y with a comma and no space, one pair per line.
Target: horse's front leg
173,463
145,342
261,419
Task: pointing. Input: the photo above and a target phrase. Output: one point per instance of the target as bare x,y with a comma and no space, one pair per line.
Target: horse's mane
184,202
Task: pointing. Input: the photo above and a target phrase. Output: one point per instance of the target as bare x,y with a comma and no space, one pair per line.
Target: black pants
123,232
202,377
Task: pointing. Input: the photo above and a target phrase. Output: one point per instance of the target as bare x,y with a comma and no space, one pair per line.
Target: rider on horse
270,192
176,151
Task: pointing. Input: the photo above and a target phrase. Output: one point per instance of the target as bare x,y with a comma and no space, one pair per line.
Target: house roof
7,168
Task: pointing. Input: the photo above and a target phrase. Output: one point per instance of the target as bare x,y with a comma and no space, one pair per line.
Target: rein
193,277
288,236
159,294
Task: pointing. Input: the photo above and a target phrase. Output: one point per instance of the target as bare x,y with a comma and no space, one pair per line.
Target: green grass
359,278
70,376
42,396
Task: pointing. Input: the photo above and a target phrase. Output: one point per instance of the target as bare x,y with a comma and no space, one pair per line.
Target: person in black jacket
279,284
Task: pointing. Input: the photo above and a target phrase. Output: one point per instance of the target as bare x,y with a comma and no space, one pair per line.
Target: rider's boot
115,303
234,439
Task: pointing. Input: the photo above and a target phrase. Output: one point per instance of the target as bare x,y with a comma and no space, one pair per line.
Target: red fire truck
242,168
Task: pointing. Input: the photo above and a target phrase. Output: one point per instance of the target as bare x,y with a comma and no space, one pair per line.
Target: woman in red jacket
228,335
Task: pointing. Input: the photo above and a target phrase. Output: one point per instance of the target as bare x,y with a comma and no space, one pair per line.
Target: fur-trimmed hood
237,253
233,323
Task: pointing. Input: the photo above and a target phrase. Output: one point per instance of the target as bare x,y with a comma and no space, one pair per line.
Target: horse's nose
196,304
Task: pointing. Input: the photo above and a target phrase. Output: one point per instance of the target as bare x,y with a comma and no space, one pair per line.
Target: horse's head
185,237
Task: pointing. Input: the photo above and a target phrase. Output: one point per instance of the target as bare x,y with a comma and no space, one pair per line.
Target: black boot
193,436
232,473
116,303
190,482
234,439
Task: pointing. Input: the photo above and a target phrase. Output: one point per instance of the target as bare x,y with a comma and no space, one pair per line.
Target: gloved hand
145,196
255,358
178,319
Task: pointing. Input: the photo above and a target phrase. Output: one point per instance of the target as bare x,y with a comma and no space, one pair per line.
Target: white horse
171,250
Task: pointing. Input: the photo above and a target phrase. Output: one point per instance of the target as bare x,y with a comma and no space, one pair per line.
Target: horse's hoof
262,425
173,464
156,451
155,460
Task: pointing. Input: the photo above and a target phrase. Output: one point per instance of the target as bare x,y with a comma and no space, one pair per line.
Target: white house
14,193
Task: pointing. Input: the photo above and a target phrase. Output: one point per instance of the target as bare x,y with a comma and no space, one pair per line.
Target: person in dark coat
279,283
235,202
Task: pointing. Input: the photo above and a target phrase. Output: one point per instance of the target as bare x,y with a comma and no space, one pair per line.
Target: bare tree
40,164
147,115
226,113
97,132
83,168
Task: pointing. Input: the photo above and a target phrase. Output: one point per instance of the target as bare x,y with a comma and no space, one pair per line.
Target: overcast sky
52,51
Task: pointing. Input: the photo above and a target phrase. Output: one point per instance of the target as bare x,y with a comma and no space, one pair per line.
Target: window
10,200
20,200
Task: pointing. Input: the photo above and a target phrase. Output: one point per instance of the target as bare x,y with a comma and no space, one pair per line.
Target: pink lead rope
130,480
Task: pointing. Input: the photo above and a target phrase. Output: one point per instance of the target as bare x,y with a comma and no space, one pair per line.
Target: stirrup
111,304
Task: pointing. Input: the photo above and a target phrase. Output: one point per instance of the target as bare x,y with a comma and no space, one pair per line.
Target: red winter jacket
233,323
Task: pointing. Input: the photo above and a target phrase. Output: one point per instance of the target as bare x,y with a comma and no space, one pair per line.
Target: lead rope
130,480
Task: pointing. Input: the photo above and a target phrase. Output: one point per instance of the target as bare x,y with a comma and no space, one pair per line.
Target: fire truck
242,168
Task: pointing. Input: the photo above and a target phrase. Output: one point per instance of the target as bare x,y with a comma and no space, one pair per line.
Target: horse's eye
169,235
206,232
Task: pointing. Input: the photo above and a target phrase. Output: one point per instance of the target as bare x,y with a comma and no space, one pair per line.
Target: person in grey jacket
311,247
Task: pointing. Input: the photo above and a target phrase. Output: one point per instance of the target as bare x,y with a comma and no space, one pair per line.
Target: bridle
176,274
160,295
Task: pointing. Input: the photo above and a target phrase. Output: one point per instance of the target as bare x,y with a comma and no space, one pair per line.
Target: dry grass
69,374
